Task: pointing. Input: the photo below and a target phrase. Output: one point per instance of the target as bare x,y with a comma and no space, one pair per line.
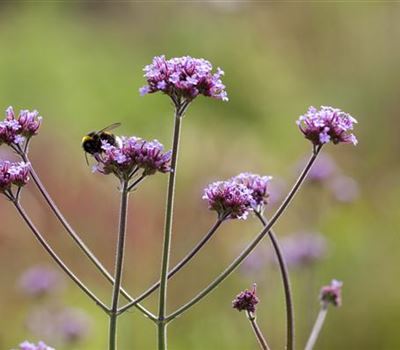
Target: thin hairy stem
56,258
251,246
177,267
257,331
119,261
286,284
162,338
79,242
317,327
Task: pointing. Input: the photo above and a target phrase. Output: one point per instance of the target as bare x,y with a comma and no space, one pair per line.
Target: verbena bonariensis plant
132,159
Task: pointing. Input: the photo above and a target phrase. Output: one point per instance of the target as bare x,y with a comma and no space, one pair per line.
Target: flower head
31,346
183,78
16,174
39,280
246,300
229,199
257,184
302,249
15,130
323,169
327,124
332,294
344,189
73,325
131,154
59,324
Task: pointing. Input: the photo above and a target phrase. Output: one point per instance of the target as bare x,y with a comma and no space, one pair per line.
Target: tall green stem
257,331
252,245
286,284
317,327
119,260
162,331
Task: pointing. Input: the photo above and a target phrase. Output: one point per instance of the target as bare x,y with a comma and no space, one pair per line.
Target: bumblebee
91,143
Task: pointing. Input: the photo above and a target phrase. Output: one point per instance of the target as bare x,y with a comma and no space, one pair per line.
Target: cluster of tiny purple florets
13,174
16,130
39,281
31,346
183,77
238,196
327,124
332,294
229,199
257,184
132,154
246,300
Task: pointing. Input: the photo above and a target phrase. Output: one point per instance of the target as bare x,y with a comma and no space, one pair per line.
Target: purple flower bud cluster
133,153
246,300
13,174
332,294
238,196
183,77
327,124
38,281
16,130
257,184
31,346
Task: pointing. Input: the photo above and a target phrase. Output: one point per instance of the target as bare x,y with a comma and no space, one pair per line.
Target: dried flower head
183,78
327,124
15,130
257,184
16,174
332,294
246,300
38,281
229,199
131,155
31,346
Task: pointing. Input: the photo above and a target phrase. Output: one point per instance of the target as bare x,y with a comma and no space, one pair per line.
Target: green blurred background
80,64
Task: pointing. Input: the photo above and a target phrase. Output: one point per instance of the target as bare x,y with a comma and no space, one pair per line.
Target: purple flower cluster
323,169
16,130
183,77
132,154
38,281
257,184
31,346
246,300
332,294
302,249
238,196
229,199
13,174
67,325
327,124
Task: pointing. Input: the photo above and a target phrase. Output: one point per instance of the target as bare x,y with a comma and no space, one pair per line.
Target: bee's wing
108,128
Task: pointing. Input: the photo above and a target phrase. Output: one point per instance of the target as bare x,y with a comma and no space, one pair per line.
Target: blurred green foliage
80,64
